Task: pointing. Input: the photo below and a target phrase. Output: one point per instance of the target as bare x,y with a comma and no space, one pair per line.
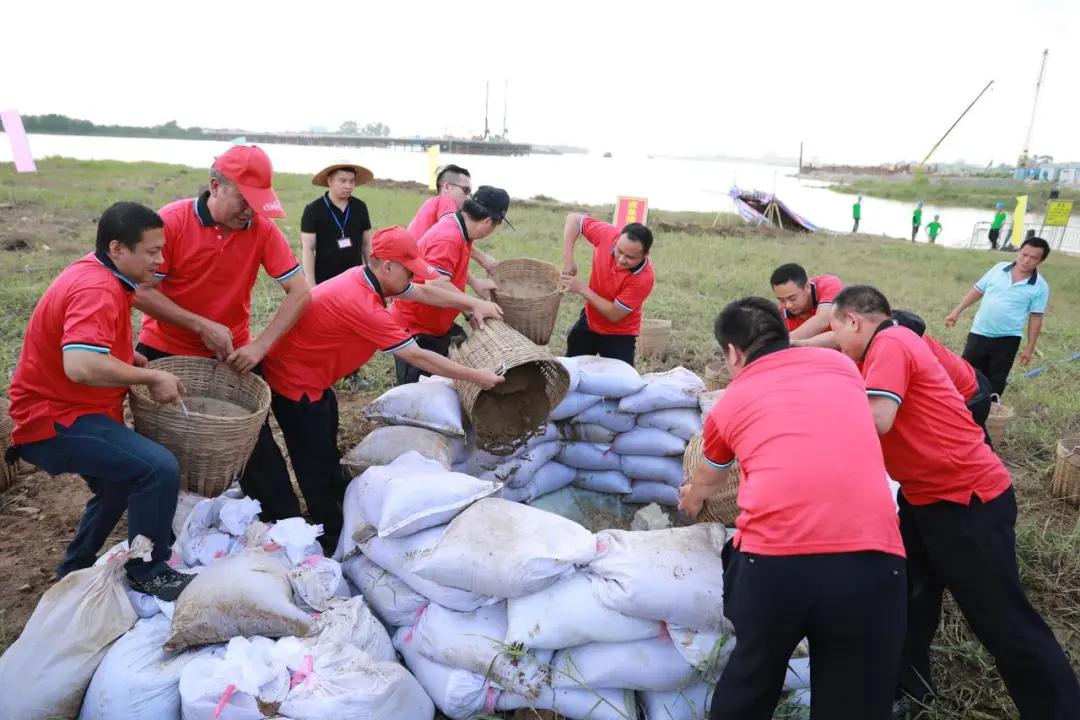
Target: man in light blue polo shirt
1011,294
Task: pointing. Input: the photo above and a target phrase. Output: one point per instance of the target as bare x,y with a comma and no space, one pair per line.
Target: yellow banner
433,166
1018,220
1057,213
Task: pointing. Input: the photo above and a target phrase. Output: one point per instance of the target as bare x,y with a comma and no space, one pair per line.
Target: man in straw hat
335,229
67,398
200,301
454,186
621,280
347,322
447,247
818,552
957,513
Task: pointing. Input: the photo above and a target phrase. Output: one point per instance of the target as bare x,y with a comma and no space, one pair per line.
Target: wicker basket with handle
212,449
1066,483
509,414
8,473
998,421
529,296
717,375
721,507
654,337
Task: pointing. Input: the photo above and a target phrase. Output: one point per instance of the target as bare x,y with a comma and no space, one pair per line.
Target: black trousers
583,341
971,551
855,228
265,477
995,233
979,404
914,234
993,357
441,344
850,606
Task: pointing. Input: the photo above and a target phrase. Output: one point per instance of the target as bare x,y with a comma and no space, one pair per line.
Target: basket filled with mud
654,337
214,431
529,295
505,417
721,507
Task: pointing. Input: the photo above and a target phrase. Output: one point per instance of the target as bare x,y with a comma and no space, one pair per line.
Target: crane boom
1034,105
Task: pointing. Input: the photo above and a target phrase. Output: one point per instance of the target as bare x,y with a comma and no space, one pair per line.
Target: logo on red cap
249,168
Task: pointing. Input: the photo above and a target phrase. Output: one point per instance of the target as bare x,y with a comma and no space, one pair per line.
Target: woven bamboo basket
8,473
1066,483
721,507
506,416
654,337
212,450
533,317
717,375
998,420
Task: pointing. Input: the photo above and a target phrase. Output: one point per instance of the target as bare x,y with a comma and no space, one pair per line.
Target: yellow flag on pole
1018,220
433,166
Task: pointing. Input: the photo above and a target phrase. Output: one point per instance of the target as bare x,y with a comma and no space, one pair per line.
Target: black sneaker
165,585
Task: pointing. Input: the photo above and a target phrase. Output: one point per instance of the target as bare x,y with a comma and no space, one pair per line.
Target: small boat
607,154
763,208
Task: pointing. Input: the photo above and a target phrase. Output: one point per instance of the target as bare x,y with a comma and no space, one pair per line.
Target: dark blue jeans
125,471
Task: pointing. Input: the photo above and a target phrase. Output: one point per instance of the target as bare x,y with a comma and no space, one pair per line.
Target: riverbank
973,192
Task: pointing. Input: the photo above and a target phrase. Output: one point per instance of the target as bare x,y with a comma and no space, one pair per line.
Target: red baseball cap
249,168
397,244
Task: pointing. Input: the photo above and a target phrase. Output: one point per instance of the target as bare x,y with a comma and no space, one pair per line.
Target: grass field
955,192
698,271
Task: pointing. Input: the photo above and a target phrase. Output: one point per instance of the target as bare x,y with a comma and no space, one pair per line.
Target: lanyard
333,215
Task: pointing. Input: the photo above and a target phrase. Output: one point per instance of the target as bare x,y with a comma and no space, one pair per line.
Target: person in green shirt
856,214
934,229
916,220
995,227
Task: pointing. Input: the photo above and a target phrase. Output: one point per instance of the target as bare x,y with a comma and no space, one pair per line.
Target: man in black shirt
336,228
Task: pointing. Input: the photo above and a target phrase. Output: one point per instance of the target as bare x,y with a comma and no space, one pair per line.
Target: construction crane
1024,158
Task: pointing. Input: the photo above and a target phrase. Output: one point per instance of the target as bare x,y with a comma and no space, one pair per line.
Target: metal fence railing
1062,239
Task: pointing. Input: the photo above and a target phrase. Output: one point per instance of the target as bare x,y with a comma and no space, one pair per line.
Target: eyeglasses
464,188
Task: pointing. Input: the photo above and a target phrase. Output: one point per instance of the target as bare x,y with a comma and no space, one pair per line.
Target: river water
669,184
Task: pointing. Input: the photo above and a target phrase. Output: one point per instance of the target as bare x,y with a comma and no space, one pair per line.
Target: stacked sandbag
424,416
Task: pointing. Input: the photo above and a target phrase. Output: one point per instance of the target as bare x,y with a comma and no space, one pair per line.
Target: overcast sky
859,82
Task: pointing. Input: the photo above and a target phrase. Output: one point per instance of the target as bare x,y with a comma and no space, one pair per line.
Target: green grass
974,193
698,271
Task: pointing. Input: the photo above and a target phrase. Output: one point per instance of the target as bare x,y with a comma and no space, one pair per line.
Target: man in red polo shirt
622,278
67,398
346,323
805,303
447,247
957,512
817,551
201,302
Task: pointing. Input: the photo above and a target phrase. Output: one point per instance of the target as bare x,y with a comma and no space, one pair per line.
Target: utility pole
487,96
506,94
1023,162
800,157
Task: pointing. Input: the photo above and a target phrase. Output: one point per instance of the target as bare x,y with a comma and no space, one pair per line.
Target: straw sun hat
363,175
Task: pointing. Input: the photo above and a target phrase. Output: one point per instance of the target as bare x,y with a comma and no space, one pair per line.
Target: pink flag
20,145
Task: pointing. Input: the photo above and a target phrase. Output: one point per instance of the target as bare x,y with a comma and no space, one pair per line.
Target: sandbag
575,704
477,461
384,445
518,471
684,423
431,403
350,622
397,554
571,365
474,641
706,652
607,377
674,576
606,414
586,432
606,481
46,671
668,470
408,495
239,596
551,477
503,549
566,614
136,679
346,683
392,601
315,582
588,456
675,388
245,681
459,694
690,703
297,539
649,441
573,405
185,503
645,492
651,664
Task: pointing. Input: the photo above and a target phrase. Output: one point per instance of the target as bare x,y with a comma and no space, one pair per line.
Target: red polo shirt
934,449
87,307
446,247
806,487
346,322
823,290
959,370
430,212
626,288
210,270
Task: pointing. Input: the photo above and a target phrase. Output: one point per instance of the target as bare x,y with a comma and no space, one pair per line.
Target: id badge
343,243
